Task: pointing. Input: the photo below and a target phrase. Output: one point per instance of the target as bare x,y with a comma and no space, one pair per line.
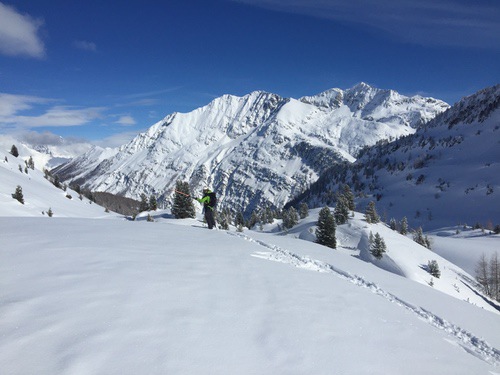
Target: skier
209,201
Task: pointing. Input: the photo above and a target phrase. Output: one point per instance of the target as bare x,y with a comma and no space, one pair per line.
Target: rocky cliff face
256,150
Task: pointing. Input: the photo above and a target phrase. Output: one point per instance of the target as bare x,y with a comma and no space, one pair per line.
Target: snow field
116,297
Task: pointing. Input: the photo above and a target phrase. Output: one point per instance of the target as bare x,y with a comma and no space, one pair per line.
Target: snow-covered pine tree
326,228
144,205
371,214
349,197
404,226
378,246
18,195
341,212
13,151
153,203
183,204
433,268
303,210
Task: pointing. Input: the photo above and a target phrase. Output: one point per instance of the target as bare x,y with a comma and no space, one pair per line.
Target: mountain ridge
257,150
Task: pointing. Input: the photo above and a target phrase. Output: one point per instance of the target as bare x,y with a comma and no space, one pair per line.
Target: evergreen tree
418,237
349,197
433,268
393,224
378,246
404,226
14,152
144,205
371,214
183,203
325,231
153,204
239,219
31,163
303,210
341,211
19,194
50,213
290,218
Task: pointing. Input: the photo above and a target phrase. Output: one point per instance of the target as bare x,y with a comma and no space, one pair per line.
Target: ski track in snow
466,340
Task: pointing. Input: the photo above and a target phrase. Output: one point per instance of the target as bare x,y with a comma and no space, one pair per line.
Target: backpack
213,200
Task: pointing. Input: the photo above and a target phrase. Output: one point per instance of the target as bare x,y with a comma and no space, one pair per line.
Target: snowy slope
46,156
171,297
447,173
40,195
81,294
256,150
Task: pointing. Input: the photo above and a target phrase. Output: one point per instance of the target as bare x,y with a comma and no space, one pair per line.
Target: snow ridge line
469,342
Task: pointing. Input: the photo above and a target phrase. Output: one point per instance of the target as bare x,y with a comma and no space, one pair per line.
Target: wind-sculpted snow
257,150
459,336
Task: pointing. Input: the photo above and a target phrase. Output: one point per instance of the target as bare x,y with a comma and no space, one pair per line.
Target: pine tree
239,219
418,237
371,214
303,210
183,204
153,204
433,268
50,212
341,212
326,227
14,152
404,226
290,218
144,205
393,224
31,163
378,246
19,194
349,197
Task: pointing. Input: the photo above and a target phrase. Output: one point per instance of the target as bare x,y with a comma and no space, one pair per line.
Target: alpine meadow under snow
89,292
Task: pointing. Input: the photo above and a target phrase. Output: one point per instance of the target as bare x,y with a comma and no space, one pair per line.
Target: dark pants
209,217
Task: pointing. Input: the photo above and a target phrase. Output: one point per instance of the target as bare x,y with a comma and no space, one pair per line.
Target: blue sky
107,70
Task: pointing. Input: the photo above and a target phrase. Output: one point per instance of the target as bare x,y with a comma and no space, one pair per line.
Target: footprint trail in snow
469,342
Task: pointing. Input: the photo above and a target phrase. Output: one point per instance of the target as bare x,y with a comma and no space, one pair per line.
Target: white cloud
19,34
460,23
126,120
116,140
57,116
85,46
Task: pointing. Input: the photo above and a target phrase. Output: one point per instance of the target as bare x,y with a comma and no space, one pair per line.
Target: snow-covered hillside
91,292
39,194
256,150
447,173
46,156
100,296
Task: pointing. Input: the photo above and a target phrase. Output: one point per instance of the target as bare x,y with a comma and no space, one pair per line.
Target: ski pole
187,195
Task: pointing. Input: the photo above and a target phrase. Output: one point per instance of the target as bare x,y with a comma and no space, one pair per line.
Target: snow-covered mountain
39,193
47,150
170,296
447,173
256,150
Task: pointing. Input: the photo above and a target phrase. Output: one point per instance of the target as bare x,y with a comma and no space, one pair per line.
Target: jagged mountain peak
447,172
256,150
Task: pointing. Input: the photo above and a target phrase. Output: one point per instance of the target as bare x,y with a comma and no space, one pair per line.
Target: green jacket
205,200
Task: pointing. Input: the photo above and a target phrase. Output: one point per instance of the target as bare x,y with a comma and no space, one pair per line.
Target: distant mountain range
259,150
446,173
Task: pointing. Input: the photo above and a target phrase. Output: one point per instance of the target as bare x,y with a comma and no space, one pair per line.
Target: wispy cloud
19,34
13,116
457,23
126,120
85,46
